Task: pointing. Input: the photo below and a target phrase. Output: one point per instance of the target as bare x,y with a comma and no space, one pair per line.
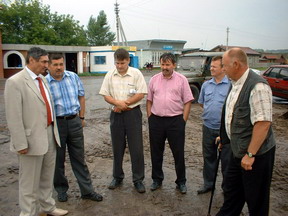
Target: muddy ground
125,200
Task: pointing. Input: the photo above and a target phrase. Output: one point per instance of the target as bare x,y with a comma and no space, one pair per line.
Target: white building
102,58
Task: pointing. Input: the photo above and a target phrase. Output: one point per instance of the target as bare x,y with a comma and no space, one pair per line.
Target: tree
30,22
68,32
98,31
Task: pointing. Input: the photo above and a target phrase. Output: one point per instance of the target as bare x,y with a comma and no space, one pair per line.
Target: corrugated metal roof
271,57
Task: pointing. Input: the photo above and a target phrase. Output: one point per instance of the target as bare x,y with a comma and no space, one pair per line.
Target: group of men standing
46,116
237,113
168,106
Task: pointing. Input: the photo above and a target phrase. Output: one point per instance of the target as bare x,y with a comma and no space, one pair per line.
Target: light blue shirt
212,96
65,93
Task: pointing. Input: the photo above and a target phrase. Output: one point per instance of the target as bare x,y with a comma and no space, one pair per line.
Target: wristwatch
82,118
250,155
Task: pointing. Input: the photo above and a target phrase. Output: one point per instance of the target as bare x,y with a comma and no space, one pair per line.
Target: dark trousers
173,129
252,186
71,136
209,149
127,126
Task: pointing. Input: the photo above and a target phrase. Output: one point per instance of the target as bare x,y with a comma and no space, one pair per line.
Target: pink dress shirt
168,96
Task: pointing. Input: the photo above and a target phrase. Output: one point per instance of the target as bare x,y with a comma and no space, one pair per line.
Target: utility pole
117,22
120,31
227,38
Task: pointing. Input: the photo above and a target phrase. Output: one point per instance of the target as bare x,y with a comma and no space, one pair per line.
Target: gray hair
36,53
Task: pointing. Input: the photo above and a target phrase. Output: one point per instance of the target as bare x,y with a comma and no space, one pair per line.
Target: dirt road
125,200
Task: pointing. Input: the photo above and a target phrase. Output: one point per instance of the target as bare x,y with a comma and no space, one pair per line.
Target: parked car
277,77
196,68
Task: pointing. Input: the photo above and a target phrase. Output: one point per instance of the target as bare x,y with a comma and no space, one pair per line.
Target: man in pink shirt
168,106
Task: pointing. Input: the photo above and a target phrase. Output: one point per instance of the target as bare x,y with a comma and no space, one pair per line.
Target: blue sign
167,47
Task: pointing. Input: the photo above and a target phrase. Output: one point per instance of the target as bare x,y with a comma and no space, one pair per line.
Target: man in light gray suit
34,134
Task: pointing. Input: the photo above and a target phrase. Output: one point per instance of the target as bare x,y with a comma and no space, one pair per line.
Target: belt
66,117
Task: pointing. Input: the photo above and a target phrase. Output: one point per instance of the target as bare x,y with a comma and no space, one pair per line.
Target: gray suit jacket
26,114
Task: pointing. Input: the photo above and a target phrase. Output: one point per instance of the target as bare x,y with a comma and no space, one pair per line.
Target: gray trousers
72,138
210,156
36,180
127,126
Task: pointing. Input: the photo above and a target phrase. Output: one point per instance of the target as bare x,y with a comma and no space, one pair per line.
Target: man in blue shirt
69,101
212,97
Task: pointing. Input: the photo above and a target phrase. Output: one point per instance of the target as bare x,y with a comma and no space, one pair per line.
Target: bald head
235,63
237,54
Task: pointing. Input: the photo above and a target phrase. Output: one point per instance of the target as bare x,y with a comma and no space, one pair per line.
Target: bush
91,74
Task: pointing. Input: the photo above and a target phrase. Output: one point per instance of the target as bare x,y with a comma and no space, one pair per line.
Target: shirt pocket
175,92
131,89
222,94
208,96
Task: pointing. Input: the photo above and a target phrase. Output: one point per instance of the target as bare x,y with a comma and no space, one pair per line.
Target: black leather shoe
204,190
114,184
155,185
140,187
182,188
62,197
93,196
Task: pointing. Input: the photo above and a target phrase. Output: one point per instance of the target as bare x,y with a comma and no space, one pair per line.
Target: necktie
49,115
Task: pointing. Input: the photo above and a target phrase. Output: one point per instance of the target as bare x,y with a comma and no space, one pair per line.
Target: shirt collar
128,73
169,77
31,73
224,80
242,79
51,78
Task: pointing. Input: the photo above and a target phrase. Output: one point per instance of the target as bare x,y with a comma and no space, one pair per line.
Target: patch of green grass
91,74
157,69
261,68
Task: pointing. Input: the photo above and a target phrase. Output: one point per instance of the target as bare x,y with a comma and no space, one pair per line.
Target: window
284,73
274,72
13,59
99,60
155,57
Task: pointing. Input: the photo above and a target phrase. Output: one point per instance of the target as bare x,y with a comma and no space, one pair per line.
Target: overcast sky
259,24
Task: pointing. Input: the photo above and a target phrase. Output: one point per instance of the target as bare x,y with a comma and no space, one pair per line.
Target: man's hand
217,142
120,105
83,122
127,102
247,162
116,109
23,151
